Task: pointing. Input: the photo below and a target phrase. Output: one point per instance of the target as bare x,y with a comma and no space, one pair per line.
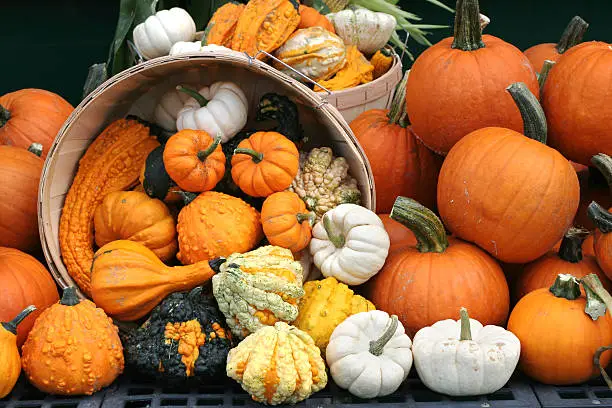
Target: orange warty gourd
136,217
25,281
558,338
399,235
9,352
457,85
216,224
286,222
570,260
112,162
309,17
489,194
19,178
401,164
32,116
571,36
194,160
145,280
221,27
73,348
426,283
265,163
579,88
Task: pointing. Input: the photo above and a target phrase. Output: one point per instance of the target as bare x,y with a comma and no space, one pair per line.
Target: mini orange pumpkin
194,160
286,221
265,163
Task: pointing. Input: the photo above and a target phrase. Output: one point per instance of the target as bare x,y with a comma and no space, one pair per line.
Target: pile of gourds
239,253
338,50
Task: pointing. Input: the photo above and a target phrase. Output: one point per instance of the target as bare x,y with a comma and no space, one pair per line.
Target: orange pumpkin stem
534,120
468,33
572,35
5,115
203,154
378,346
397,114
256,156
194,94
12,325
69,297
543,75
571,245
426,226
603,163
466,329
600,217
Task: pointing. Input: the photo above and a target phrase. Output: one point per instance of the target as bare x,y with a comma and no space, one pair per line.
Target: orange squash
425,283
571,36
489,193
264,163
309,17
32,116
286,222
457,85
220,29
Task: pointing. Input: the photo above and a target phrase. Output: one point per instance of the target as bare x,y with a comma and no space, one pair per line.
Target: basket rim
59,272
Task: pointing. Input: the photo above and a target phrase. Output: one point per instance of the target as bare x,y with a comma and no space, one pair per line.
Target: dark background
51,44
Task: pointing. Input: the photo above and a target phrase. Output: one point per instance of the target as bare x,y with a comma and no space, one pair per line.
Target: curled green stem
572,35
534,120
309,217
12,325
398,105
600,217
203,154
426,226
334,236
603,163
194,94
256,156
378,346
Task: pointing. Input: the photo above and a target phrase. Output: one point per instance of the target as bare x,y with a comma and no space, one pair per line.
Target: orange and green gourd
221,27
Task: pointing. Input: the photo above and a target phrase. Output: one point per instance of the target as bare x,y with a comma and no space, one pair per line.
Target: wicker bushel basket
137,90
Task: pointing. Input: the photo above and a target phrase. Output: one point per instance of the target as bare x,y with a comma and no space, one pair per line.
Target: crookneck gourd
9,353
73,348
221,27
258,288
128,280
265,25
279,364
357,70
325,304
184,338
111,163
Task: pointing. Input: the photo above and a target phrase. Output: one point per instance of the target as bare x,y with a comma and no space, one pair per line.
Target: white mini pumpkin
463,358
350,243
168,107
155,36
187,47
369,354
366,29
219,109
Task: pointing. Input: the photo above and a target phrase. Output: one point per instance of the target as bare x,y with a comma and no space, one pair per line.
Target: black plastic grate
593,394
25,395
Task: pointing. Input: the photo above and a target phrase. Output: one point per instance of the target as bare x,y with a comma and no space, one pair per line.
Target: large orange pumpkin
401,164
457,85
490,193
548,51
32,116
558,339
603,236
543,272
25,281
19,178
428,282
577,99
399,235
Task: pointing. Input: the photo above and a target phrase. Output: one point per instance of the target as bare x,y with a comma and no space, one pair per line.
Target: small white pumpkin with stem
463,358
219,109
366,29
350,243
369,354
168,107
155,36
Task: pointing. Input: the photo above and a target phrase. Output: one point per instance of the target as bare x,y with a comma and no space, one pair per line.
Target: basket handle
139,59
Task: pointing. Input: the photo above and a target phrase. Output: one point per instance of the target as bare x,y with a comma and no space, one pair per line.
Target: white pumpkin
219,109
463,358
185,47
366,29
168,107
369,354
155,36
350,243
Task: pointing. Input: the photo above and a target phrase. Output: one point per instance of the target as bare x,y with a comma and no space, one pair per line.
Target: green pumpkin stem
466,330
598,298
203,154
534,121
426,226
378,346
566,287
602,369
194,94
36,148
69,297
572,35
603,163
256,156
571,245
398,105
187,196
310,217
335,238
600,217
543,75
5,115
12,325
468,33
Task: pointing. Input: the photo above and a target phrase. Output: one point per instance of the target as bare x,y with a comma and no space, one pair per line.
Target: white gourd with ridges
155,36
368,30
